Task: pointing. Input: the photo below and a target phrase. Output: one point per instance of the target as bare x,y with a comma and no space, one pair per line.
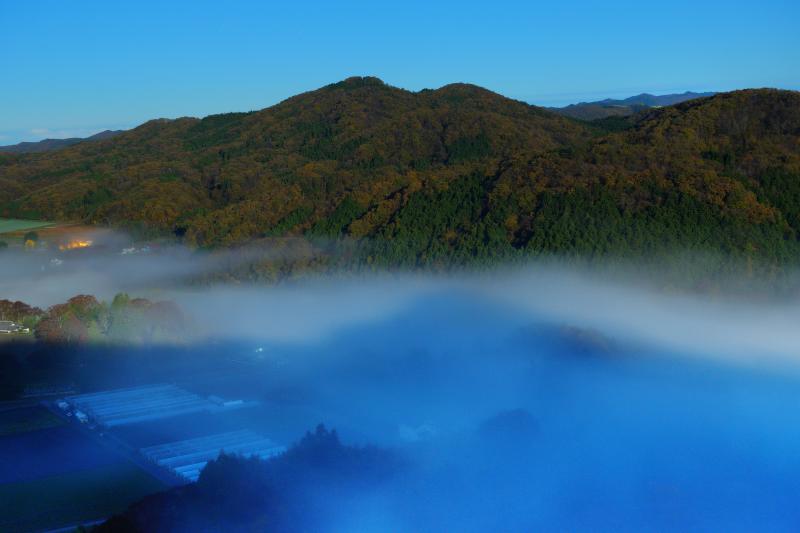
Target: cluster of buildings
131,405
185,459
8,327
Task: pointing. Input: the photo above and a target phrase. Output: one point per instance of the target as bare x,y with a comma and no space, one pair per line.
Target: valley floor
53,476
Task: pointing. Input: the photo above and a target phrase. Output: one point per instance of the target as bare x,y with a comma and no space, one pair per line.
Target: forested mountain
441,177
622,108
47,145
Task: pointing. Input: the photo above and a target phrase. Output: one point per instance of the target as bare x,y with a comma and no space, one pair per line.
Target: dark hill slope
232,177
442,177
719,174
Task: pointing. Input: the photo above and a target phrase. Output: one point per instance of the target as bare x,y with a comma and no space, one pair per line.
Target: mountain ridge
610,107
47,145
440,177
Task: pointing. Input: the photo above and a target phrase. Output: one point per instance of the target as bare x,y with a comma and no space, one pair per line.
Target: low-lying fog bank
543,401
737,315
729,328
501,417
533,398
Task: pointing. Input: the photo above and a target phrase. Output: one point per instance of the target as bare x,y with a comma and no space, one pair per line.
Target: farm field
54,474
72,498
12,225
47,452
27,419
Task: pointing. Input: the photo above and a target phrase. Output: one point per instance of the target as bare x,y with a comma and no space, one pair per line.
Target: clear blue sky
74,67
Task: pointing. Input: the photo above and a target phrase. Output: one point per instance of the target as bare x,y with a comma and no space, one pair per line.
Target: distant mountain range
47,145
440,178
628,106
582,111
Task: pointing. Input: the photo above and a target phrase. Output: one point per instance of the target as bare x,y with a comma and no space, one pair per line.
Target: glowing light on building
72,245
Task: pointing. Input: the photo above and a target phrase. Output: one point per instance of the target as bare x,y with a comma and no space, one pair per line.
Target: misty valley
537,398
399,267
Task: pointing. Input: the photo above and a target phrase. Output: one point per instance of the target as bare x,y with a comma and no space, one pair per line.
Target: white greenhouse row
138,404
186,458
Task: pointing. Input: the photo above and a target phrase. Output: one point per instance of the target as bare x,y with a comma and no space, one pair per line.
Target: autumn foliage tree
19,312
84,318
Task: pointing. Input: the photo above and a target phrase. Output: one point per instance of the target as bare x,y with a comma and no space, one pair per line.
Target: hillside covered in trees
85,318
291,492
443,177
